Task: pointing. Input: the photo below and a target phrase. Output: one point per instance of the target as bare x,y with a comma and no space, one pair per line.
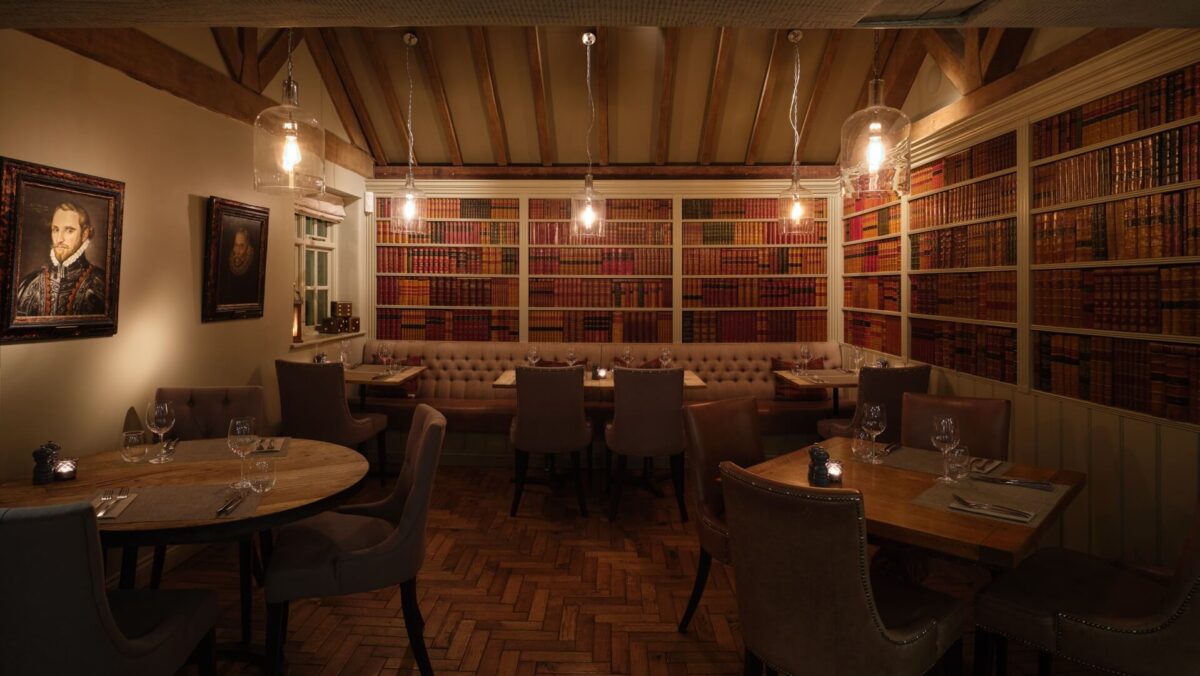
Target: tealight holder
64,469
599,373
833,469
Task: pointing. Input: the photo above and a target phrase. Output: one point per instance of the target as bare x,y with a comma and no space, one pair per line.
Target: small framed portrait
60,252
235,267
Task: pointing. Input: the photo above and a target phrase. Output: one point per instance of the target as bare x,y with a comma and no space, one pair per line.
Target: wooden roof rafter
438,87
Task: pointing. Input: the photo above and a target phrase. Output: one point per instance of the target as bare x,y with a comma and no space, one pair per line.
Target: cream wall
59,109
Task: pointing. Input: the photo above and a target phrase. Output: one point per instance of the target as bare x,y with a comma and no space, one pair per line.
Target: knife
230,504
1023,483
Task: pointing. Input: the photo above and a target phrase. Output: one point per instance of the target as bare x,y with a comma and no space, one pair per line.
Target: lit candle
602,373
65,469
834,468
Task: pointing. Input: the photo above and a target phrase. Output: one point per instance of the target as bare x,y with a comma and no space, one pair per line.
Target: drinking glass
665,357
958,460
261,475
242,437
571,356
859,358
874,422
160,418
133,446
805,357
385,356
344,352
627,357
532,356
945,438
861,446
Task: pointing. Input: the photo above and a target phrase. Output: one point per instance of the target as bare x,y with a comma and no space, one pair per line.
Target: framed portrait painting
60,252
235,267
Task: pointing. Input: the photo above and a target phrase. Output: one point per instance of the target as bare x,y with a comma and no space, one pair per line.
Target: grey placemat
183,503
929,462
1039,502
207,450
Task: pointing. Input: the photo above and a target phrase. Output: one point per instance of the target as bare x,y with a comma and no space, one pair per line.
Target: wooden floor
547,592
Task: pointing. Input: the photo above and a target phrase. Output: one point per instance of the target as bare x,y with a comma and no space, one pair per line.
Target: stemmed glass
385,355
243,435
945,438
665,357
344,352
532,356
859,357
874,422
261,477
805,357
571,357
160,418
627,357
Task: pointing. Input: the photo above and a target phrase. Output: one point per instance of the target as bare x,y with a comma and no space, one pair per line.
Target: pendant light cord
794,109
591,108
289,53
408,120
875,58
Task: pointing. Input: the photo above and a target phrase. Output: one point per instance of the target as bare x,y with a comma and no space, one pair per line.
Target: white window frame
304,243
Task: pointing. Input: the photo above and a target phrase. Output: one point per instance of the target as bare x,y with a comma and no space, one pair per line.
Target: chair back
647,412
56,617
549,409
803,586
717,431
312,399
887,386
205,412
983,424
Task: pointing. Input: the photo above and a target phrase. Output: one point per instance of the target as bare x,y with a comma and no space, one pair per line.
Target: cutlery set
231,504
108,500
995,509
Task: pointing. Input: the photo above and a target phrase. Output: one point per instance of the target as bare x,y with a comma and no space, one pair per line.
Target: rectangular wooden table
822,379
508,379
888,494
376,375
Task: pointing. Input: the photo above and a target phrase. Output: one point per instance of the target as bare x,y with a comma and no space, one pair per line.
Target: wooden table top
311,472
887,500
691,381
821,379
373,374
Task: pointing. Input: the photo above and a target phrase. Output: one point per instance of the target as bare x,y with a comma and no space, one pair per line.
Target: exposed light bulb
875,147
797,211
291,147
410,207
588,215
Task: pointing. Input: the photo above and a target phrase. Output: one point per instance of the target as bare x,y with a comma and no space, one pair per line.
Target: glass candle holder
834,469
64,469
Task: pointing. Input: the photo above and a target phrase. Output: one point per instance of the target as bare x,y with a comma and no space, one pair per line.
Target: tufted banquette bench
459,379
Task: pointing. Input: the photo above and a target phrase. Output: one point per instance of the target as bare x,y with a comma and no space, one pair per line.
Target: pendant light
587,208
411,219
875,146
797,205
289,144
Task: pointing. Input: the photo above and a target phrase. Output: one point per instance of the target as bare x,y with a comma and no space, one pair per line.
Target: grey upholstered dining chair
983,424
648,424
363,547
881,386
549,420
802,551
717,431
58,619
313,402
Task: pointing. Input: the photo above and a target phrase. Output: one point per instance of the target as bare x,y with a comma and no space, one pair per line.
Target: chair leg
951,662
608,468
156,569
677,479
1045,664
618,483
205,654
522,469
1001,647
754,666
983,652
381,447
246,575
702,567
579,492
415,625
276,636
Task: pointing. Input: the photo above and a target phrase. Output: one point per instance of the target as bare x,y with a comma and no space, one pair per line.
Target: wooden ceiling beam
438,87
248,71
537,75
357,105
612,171
1001,52
820,82
333,86
383,76
946,48
971,45
666,96
718,86
602,52
487,86
230,48
766,96
274,55
902,68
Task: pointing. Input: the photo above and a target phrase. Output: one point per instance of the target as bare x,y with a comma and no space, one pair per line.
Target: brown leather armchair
983,424
647,423
717,431
205,412
802,550
1103,614
363,547
884,386
58,619
313,399
549,420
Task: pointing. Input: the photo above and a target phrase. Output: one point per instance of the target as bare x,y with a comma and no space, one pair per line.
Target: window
316,256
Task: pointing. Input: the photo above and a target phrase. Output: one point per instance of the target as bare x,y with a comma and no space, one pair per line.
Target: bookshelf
613,288
872,299
744,279
459,280
1115,241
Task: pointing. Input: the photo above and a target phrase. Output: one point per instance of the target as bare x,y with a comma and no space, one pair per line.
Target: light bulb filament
410,207
875,151
291,147
588,215
797,210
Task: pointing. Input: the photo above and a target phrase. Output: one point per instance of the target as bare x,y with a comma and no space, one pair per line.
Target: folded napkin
994,514
115,507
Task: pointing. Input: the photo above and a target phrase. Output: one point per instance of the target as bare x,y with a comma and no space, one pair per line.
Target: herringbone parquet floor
547,592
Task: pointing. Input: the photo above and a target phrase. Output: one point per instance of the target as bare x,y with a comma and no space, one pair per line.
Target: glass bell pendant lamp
411,219
587,207
289,144
797,206
875,148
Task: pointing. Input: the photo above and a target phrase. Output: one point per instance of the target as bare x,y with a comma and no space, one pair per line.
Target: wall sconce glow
289,145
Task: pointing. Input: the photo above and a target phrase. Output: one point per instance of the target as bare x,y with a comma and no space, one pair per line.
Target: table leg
836,405
362,397
245,570
129,554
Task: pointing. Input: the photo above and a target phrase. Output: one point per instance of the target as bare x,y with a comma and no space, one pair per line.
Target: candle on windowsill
834,468
64,469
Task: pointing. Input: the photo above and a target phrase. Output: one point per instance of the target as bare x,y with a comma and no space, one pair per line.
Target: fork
106,499
122,494
988,507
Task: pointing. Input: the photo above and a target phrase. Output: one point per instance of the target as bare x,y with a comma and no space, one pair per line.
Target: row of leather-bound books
872,331
452,232
749,261
1137,299
993,197
448,260
590,326
643,233
877,256
599,261
872,293
981,159
754,326
748,232
754,292
966,246
585,292
414,324
872,224
497,292
740,207
970,295
1150,226
984,351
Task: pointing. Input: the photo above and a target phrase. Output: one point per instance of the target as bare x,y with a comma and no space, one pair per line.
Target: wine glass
874,422
261,475
945,437
344,352
532,356
242,437
571,357
805,356
160,418
665,357
627,357
859,357
385,356
133,446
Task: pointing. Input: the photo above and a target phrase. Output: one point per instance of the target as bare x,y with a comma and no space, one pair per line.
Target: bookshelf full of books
962,260
871,289
611,288
1115,241
747,279
458,280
